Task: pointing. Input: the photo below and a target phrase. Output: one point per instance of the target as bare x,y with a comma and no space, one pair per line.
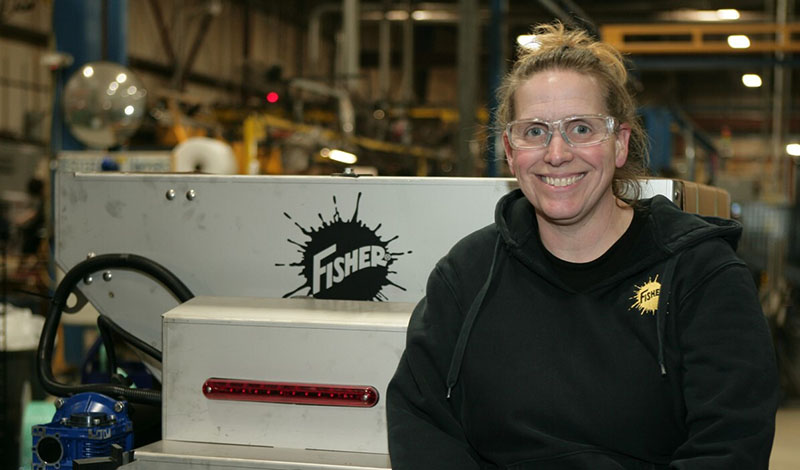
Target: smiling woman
586,328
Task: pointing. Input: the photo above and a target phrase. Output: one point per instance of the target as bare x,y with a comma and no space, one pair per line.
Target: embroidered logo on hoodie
344,259
645,298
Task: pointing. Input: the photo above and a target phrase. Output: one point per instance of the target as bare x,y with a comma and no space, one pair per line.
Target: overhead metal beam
161,26
699,38
185,67
26,35
711,62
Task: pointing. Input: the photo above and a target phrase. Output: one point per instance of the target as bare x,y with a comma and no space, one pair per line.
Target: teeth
558,182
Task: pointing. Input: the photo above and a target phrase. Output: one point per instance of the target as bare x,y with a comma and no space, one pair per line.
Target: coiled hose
44,356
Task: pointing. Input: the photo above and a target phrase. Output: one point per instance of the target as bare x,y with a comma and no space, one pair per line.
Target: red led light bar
361,396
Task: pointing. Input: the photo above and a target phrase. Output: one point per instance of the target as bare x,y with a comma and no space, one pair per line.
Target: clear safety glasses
577,131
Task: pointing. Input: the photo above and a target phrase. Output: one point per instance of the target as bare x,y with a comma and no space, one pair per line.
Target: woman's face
567,185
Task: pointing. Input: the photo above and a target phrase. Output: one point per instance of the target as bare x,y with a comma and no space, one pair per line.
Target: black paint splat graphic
344,259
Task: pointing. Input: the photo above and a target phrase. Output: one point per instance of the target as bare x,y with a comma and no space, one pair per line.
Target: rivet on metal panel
88,280
171,194
107,276
90,255
191,194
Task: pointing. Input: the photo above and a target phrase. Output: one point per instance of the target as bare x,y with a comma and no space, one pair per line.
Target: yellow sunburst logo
646,297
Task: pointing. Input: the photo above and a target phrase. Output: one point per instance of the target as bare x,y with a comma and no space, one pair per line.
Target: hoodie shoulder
676,230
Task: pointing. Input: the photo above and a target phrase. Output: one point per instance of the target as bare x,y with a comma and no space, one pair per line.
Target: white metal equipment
246,246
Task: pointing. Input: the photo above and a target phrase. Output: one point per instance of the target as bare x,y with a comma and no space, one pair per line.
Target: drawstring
663,309
466,327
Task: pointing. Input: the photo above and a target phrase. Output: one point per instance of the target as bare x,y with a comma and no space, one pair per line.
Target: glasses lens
585,130
529,134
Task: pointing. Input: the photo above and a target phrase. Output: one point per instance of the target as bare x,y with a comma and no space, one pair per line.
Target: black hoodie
667,363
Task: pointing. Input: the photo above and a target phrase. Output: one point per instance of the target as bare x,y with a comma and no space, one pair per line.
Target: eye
534,130
580,128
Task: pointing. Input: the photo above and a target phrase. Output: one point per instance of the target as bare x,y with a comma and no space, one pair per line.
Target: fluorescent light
528,41
751,80
738,41
728,14
88,71
793,149
338,155
342,156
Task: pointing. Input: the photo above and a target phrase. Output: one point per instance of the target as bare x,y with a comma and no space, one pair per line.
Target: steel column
468,48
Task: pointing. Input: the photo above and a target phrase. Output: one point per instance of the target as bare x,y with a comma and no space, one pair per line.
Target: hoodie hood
670,229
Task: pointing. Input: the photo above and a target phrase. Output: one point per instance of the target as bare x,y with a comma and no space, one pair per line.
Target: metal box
299,340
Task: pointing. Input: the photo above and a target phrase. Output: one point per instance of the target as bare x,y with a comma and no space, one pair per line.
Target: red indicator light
361,396
272,97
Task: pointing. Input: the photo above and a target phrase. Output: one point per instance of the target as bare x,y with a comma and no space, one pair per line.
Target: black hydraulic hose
108,342
136,342
108,328
44,354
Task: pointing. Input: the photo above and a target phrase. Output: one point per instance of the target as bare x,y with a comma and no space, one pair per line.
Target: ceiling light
728,14
738,41
88,71
793,149
339,155
528,41
751,80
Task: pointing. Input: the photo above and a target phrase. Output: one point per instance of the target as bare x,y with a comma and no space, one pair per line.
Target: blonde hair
574,50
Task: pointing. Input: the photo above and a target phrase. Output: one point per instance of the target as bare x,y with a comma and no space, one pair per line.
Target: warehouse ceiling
705,85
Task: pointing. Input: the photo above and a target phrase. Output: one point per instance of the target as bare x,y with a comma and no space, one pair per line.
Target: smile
560,182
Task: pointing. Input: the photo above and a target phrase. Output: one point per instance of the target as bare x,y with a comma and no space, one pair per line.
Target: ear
623,136
509,153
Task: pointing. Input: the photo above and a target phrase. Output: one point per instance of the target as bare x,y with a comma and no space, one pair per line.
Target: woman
584,329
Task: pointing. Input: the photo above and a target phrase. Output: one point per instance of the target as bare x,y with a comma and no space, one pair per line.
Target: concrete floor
786,449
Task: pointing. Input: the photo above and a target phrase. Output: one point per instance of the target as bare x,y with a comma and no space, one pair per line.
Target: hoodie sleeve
730,380
424,431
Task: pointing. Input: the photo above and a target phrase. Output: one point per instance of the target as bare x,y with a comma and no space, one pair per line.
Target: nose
559,151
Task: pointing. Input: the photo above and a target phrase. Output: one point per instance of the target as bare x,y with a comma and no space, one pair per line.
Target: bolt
107,276
191,194
59,403
119,406
349,171
171,194
91,255
88,280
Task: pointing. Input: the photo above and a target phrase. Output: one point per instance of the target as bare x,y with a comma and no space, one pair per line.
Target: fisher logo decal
646,297
344,259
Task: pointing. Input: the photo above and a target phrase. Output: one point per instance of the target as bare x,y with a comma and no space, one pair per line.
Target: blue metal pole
117,31
77,26
79,29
